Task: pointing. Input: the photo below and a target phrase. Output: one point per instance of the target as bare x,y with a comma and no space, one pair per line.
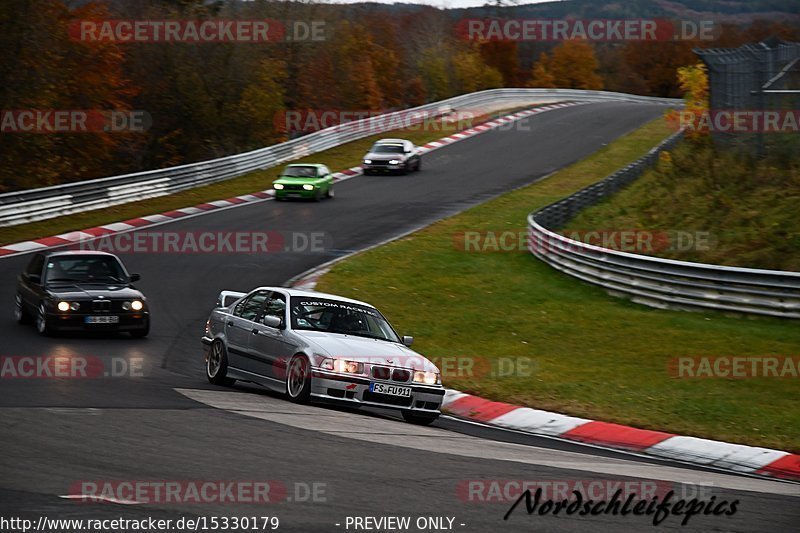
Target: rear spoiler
226,298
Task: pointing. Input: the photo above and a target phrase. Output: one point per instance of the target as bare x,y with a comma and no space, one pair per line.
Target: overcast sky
439,3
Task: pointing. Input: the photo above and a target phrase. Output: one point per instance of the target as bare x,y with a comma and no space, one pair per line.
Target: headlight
368,161
394,161
136,305
428,378
277,186
63,306
342,366
348,367
308,187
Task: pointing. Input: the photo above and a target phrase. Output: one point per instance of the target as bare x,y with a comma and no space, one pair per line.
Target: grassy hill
750,207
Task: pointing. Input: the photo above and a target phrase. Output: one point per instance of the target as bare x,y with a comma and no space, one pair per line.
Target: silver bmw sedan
320,347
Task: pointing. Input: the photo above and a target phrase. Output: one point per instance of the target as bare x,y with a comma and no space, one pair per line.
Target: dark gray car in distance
392,155
315,346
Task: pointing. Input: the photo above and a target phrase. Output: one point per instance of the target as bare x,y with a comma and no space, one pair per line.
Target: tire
217,365
317,195
329,194
419,165
421,420
279,198
367,172
20,314
298,380
42,324
404,170
142,332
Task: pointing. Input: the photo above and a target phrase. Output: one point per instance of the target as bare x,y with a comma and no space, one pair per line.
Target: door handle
255,331
230,322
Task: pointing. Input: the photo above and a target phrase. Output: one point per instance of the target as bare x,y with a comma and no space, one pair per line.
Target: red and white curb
723,455
74,237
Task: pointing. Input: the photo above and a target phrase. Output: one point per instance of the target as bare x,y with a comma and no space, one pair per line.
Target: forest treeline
213,99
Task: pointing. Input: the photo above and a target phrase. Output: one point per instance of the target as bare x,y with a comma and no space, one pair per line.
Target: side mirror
35,278
135,277
408,341
271,321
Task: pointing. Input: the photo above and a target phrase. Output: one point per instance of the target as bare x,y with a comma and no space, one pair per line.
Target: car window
323,171
249,308
387,149
276,306
300,172
84,269
36,264
336,316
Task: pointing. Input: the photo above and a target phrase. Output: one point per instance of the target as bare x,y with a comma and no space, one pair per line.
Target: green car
309,181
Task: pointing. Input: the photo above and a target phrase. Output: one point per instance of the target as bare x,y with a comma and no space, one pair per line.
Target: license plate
294,195
393,390
103,319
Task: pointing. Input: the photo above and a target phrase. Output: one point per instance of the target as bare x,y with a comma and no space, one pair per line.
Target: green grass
337,158
747,207
595,356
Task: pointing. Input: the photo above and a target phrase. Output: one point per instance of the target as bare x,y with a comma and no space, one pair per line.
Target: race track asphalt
57,432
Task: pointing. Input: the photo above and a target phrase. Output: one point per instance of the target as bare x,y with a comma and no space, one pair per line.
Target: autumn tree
541,77
44,69
572,65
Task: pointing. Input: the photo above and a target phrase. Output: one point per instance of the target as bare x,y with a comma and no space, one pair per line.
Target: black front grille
293,187
401,375
380,163
385,373
387,399
381,372
101,306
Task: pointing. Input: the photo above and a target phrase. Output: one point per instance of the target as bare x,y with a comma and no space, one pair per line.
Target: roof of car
55,253
306,165
391,141
314,294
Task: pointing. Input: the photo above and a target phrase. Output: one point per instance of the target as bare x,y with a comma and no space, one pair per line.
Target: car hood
287,180
366,350
373,155
80,291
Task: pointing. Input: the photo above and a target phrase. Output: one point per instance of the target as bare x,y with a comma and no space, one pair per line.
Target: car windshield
300,172
335,316
387,149
84,269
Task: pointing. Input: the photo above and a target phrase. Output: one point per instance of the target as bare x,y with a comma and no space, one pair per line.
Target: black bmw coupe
80,291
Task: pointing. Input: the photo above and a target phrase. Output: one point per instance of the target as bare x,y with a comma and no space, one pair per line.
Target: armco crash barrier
39,204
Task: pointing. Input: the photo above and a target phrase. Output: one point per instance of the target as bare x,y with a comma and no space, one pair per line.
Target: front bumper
383,168
354,390
302,193
77,322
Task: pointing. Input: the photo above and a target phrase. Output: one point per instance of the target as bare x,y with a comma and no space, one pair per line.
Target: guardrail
651,280
39,204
